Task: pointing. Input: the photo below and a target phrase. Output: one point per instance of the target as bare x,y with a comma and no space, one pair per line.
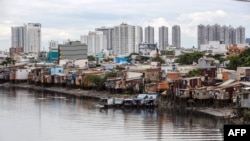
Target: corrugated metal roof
227,82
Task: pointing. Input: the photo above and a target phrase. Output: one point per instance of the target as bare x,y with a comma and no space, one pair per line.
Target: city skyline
225,34
70,19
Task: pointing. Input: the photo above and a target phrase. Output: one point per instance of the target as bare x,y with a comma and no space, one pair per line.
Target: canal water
27,115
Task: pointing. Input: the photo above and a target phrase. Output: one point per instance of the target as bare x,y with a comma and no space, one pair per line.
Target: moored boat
139,100
107,102
118,102
128,102
151,100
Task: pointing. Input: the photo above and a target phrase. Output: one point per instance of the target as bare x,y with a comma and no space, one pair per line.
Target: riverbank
96,95
86,94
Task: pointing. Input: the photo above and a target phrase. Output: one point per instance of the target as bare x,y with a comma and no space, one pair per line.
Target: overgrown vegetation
91,58
241,60
219,57
110,74
94,81
246,114
195,72
130,55
119,68
167,52
7,61
189,58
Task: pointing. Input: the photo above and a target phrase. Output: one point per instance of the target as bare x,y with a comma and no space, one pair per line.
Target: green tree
167,52
219,57
8,60
189,58
91,58
195,72
158,59
119,68
4,63
97,81
110,74
133,53
241,60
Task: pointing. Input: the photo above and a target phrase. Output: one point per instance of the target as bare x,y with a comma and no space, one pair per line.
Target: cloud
5,31
203,17
69,19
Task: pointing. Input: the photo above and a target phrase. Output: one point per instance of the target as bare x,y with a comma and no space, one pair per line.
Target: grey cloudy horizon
69,19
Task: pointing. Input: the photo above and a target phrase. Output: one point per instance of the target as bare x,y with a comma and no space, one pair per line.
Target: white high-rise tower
124,39
17,36
176,36
163,37
138,37
32,37
149,34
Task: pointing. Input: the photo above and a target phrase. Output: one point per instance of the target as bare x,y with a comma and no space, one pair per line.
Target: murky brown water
37,116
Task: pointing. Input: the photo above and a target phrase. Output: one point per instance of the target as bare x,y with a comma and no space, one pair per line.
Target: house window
245,96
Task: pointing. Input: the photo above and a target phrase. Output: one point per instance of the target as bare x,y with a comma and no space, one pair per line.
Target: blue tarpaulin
122,60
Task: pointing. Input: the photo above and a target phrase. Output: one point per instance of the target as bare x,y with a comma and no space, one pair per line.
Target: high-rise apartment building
224,34
108,32
216,31
232,35
96,41
202,35
176,36
17,37
124,39
28,37
248,40
149,34
138,38
84,39
32,37
163,37
240,35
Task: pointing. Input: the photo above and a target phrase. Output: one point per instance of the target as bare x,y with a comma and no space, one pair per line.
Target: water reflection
34,115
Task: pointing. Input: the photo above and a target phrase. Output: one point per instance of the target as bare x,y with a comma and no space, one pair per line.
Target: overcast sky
69,19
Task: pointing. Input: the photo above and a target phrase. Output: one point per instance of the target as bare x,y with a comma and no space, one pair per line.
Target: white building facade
96,42
214,47
32,38
124,39
108,32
